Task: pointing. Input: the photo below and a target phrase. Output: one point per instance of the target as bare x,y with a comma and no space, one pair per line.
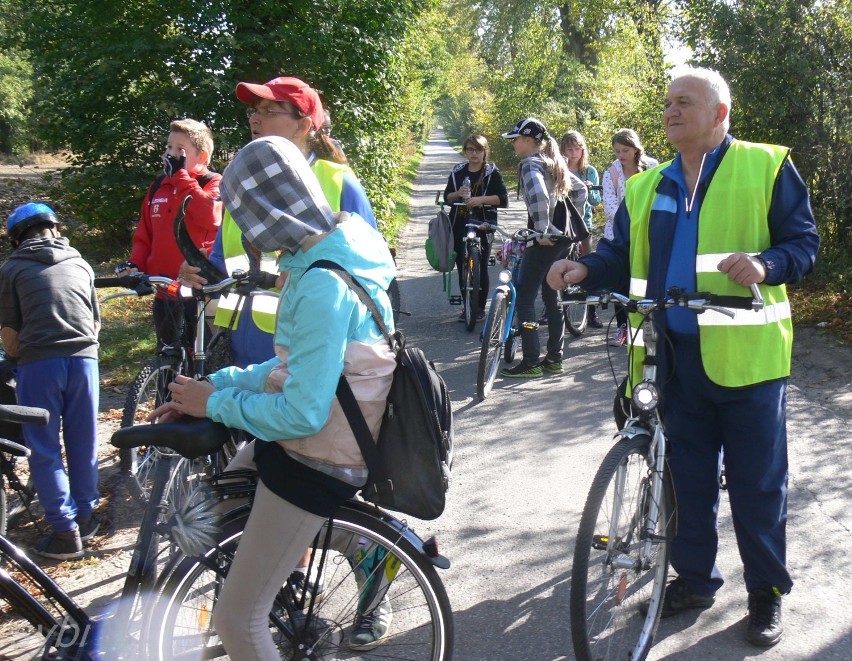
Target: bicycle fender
428,548
631,430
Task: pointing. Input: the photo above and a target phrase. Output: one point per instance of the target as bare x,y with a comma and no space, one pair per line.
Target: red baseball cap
285,88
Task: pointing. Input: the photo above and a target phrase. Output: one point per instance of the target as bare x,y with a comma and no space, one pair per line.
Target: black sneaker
88,527
764,617
64,545
552,365
679,598
522,370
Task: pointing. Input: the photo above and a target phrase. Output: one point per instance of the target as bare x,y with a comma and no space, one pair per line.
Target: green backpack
439,245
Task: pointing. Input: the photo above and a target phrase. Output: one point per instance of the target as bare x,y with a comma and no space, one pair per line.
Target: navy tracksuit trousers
746,428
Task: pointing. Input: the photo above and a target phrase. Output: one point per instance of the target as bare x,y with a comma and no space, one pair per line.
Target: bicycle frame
77,634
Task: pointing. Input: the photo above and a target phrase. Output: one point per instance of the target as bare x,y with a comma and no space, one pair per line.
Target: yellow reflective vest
753,347
263,308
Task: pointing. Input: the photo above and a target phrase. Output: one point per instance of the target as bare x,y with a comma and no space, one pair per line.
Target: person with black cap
544,180
49,321
306,455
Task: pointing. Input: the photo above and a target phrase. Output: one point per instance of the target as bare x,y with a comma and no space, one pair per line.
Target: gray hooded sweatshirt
47,295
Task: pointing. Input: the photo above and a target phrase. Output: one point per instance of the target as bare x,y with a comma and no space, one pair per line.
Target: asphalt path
525,458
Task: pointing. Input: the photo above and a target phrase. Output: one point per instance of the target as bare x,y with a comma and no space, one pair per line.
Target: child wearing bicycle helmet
49,322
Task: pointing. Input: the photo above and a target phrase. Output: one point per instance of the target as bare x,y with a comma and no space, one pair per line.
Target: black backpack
410,463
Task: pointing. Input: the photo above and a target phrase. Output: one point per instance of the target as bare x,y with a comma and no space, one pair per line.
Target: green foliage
15,90
789,64
110,99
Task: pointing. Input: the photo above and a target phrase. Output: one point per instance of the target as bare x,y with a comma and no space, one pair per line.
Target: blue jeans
535,264
746,427
68,388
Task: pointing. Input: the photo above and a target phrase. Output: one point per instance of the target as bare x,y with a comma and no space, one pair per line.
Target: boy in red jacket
155,250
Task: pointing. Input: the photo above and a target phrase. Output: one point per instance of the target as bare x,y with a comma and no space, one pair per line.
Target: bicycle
149,389
388,559
501,335
621,556
576,314
471,265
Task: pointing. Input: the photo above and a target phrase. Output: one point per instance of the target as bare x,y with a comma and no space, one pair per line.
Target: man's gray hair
716,86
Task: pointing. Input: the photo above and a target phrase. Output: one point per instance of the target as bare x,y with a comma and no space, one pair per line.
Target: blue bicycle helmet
29,215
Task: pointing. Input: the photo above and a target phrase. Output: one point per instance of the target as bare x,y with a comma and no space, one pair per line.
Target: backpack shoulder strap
154,187
362,293
345,396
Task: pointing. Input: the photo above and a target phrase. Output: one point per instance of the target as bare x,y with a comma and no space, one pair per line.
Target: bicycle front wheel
369,562
474,264
492,345
148,391
576,313
513,342
621,557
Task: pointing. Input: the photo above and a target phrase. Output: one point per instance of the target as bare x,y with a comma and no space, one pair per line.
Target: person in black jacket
486,188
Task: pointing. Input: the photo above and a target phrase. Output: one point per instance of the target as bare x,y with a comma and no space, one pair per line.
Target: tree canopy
104,79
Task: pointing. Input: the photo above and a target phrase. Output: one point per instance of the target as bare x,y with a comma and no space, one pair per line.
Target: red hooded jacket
155,250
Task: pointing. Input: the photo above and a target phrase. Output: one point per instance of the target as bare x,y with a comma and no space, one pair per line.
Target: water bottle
466,184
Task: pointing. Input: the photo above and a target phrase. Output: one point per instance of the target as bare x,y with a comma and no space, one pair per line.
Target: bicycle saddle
189,437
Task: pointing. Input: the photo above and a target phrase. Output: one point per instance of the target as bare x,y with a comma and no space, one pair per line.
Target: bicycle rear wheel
395,299
364,550
471,284
617,565
492,345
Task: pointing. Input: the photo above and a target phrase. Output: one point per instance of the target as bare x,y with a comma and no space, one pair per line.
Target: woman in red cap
289,108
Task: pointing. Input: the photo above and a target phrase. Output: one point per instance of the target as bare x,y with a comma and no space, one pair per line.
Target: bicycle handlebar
142,284
698,301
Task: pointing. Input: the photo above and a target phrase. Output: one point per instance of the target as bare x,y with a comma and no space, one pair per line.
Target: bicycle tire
472,275
3,511
395,299
422,626
147,391
513,342
27,597
492,345
607,586
576,314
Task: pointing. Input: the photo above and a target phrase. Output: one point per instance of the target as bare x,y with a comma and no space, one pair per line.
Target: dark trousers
746,428
535,264
167,321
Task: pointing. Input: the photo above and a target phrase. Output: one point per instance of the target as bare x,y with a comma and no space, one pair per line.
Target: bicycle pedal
601,542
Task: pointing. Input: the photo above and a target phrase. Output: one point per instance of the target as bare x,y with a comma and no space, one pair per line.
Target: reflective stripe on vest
753,346
263,308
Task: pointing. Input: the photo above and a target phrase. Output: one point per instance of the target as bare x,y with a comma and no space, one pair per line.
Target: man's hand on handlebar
564,272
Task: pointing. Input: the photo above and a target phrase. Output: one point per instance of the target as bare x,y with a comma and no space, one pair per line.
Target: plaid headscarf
274,197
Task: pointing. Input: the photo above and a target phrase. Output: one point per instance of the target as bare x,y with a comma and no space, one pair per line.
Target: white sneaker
371,628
